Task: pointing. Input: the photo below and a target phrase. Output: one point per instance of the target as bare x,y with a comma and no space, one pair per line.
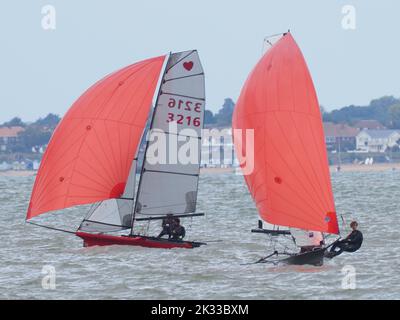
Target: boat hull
315,257
91,239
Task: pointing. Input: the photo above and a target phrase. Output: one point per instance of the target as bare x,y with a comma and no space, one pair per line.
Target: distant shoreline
378,167
17,173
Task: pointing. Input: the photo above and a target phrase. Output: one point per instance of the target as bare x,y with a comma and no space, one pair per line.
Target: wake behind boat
290,182
92,156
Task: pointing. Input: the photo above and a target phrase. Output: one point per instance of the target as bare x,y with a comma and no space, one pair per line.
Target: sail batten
290,183
89,156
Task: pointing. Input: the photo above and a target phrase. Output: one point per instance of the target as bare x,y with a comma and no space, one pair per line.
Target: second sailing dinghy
93,154
290,182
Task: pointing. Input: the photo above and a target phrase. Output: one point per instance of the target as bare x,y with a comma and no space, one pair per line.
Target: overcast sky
44,71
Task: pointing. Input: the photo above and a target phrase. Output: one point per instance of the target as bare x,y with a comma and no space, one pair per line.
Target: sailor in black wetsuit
177,230
166,226
351,244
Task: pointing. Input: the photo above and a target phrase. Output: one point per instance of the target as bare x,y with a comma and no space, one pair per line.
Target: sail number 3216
183,105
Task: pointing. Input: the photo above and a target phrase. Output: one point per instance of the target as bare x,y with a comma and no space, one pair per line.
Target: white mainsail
170,173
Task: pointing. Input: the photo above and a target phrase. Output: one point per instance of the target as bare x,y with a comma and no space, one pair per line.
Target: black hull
315,258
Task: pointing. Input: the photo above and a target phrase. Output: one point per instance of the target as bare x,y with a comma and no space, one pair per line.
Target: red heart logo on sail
188,65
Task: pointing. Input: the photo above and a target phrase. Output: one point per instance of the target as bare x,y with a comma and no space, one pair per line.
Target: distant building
19,165
369,125
377,140
8,137
4,166
340,136
217,148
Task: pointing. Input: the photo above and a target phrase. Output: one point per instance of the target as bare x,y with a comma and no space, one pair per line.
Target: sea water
37,263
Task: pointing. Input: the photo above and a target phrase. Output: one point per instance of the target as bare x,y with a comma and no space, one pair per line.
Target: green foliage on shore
223,118
35,135
14,122
386,110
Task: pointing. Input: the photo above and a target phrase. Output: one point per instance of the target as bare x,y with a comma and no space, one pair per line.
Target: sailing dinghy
92,157
290,183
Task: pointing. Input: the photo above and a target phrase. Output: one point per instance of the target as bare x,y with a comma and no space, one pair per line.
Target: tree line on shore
385,109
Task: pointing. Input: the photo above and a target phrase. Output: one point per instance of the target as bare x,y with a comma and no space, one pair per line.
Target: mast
147,142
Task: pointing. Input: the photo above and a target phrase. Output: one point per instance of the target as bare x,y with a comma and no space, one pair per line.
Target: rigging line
170,205
175,133
154,110
151,217
171,172
183,77
275,35
106,224
179,60
261,260
181,95
51,228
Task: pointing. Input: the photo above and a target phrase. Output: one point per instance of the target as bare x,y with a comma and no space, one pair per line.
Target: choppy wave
214,271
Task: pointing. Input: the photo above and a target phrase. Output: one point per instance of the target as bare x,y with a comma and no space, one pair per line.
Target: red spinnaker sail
91,151
290,183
